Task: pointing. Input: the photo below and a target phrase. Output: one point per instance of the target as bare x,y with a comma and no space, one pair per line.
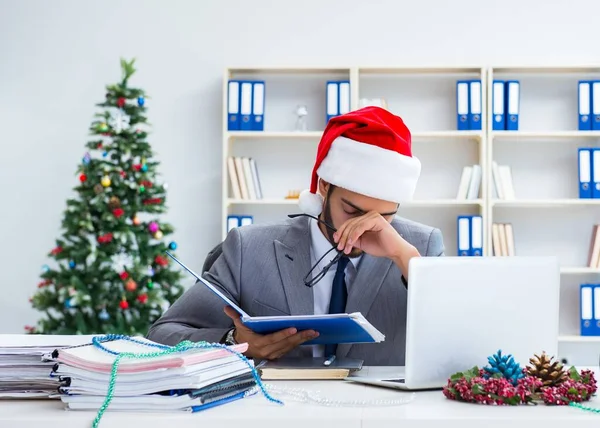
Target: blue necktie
339,295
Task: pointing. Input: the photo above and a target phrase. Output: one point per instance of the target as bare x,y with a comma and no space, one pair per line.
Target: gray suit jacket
262,269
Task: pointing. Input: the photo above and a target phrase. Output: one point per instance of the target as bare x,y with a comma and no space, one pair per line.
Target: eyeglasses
311,282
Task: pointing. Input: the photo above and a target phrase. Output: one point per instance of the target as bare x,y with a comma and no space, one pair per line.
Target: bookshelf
546,219
285,157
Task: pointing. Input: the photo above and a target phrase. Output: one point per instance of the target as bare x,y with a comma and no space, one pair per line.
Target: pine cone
114,203
550,372
505,366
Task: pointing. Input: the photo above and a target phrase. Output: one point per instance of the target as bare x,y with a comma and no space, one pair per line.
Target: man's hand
374,235
268,346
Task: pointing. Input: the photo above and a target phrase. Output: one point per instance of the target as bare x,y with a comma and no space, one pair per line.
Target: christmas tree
109,272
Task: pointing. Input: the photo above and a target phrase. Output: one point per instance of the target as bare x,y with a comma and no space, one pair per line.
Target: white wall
56,57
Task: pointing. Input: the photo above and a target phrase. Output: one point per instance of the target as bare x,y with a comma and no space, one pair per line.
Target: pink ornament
153,227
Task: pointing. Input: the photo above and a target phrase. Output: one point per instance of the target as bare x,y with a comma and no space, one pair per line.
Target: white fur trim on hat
370,170
310,203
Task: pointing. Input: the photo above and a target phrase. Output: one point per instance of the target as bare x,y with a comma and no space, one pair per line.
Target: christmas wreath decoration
504,382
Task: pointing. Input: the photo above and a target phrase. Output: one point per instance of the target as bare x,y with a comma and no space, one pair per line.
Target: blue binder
233,221
513,105
595,105
475,105
595,173
462,105
258,105
233,105
585,167
463,230
498,106
246,220
246,105
332,328
588,311
476,243
584,100
332,101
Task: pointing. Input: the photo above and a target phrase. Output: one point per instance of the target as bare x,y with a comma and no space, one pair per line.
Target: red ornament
152,201
130,285
56,251
118,212
99,146
123,174
143,298
147,184
29,329
161,261
82,177
124,275
106,238
121,102
44,283
123,304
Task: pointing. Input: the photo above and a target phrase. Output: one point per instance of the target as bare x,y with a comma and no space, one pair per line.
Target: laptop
460,310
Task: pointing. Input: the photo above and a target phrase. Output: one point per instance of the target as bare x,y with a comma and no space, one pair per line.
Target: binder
258,105
464,235
233,221
596,307
245,220
462,105
344,96
512,105
246,106
595,166
476,236
586,310
332,328
498,104
584,100
585,173
596,105
332,100
233,105
475,105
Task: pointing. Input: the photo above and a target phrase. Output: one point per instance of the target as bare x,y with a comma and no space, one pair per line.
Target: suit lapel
370,276
293,262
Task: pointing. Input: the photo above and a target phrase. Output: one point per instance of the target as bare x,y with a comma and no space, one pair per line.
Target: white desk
428,409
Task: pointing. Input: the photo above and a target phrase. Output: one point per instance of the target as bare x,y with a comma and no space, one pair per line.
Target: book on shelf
470,183
244,179
503,239
594,254
503,183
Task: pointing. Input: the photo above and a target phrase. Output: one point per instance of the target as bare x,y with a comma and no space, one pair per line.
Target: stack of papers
23,374
189,380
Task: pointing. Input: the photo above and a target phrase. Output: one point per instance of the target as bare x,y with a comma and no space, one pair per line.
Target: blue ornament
144,167
87,158
72,264
45,268
150,271
104,154
69,303
140,101
503,366
173,245
103,315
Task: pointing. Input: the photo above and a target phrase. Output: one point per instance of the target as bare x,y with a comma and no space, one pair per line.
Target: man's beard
355,252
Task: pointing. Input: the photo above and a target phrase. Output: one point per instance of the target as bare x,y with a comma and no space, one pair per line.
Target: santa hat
367,151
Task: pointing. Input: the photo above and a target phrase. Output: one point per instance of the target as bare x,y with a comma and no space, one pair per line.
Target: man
364,169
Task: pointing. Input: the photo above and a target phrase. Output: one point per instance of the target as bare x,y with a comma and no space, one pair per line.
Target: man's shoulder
427,239
268,231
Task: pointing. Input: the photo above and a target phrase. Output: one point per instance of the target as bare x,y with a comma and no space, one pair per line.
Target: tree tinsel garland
477,386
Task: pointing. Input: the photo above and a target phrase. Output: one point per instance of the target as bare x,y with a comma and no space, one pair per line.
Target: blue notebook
332,328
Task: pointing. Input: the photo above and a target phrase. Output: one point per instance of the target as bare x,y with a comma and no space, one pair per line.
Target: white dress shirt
322,289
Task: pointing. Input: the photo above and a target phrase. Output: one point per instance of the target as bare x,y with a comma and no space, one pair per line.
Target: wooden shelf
274,134
579,270
544,135
525,203
269,201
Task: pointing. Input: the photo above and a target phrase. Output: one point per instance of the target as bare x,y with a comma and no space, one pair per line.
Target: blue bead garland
164,350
